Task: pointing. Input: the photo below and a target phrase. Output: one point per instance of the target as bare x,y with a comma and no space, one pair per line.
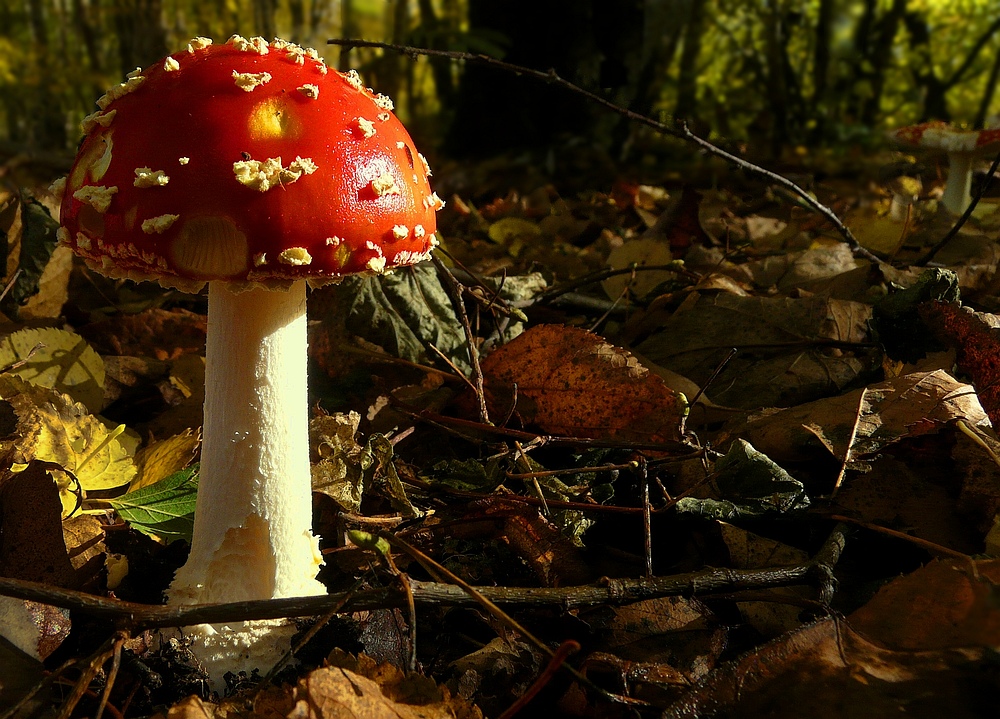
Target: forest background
764,77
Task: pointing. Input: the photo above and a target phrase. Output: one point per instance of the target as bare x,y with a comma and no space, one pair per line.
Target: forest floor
696,456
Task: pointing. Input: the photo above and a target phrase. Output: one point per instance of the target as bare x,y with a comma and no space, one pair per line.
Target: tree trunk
347,30
881,53
498,111
935,103
440,66
777,90
819,112
687,100
991,85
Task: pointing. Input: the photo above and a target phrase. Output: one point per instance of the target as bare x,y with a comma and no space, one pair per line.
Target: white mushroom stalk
252,533
958,188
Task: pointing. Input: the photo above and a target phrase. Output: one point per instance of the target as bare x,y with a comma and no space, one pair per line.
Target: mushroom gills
211,248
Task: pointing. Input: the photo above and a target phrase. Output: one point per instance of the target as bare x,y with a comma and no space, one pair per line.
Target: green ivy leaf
404,313
164,509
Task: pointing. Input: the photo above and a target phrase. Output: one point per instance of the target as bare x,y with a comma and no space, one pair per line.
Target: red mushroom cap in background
247,162
940,135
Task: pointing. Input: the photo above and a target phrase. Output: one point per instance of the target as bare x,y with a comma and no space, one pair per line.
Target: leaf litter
842,463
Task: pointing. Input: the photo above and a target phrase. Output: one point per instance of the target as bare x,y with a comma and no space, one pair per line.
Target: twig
826,559
950,235
931,547
109,684
682,131
89,668
455,291
647,518
715,374
612,592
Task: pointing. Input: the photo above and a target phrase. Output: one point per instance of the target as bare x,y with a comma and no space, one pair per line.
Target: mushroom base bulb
236,646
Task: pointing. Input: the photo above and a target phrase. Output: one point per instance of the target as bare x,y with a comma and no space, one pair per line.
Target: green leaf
404,313
748,485
164,509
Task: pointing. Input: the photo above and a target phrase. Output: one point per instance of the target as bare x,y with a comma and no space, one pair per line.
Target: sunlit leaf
164,509
58,359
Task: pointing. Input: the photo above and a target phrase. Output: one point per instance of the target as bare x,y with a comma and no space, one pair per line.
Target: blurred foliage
777,72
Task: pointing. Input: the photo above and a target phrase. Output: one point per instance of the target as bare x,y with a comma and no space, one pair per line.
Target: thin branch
455,288
682,131
610,592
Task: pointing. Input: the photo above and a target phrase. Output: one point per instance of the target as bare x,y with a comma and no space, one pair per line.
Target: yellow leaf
165,457
876,233
53,428
57,359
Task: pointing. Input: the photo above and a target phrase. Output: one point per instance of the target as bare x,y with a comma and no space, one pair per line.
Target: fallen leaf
947,603
57,359
53,428
158,333
827,670
863,422
32,547
747,484
639,252
36,629
335,692
164,457
572,382
976,337
789,350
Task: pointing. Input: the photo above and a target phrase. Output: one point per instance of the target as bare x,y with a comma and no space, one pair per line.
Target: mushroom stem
252,529
958,187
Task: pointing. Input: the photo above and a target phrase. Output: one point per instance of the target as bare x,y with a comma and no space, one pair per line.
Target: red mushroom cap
940,135
248,162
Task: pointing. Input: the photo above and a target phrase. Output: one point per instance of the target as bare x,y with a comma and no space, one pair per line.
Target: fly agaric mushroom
963,148
252,167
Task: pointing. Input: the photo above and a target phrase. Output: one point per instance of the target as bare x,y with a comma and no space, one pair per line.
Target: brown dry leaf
865,421
828,671
800,269
572,382
753,551
84,539
903,489
948,603
640,252
676,631
191,708
790,350
53,287
31,543
36,629
879,233
163,334
536,540
338,693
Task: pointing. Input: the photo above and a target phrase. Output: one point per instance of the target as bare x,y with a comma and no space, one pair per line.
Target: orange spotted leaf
976,338
572,382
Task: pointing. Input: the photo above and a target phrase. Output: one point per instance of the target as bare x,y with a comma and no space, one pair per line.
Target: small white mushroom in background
963,147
